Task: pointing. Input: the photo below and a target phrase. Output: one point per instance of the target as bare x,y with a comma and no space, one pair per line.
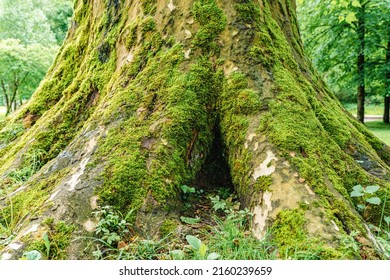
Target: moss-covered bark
129,112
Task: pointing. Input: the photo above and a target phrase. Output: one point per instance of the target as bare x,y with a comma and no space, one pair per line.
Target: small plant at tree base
366,195
198,249
187,190
368,198
112,226
218,203
32,255
189,194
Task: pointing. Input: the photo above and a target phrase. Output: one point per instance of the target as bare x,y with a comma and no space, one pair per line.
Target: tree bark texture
133,103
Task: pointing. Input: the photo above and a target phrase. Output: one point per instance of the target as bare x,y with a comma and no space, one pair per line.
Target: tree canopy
30,34
330,30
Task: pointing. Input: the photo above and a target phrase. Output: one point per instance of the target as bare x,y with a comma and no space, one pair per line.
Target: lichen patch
171,6
75,179
265,168
15,246
54,195
261,213
33,228
94,202
187,54
89,226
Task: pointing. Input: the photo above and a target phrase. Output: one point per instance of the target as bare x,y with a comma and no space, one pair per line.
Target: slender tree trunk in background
361,63
386,112
143,92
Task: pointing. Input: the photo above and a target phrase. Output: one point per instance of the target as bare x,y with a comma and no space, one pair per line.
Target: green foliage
232,238
187,190
366,196
330,33
32,255
199,250
112,226
30,35
22,68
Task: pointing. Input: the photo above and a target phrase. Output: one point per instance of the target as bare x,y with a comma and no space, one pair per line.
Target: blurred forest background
31,33
347,40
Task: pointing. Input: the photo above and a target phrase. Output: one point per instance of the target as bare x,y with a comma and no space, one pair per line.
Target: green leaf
213,256
344,3
47,244
356,194
361,207
371,189
374,200
194,242
351,17
33,255
356,3
387,220
187,189
189,220
358,188
177,255
203,250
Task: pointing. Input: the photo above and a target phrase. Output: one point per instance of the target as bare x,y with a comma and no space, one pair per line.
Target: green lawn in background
369,109
380,130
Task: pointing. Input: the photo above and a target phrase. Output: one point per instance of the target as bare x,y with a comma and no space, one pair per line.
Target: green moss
149,6
148,25
262,184
59,238
293,240
212,22
248,12
169,120
131,35
168,227
29,203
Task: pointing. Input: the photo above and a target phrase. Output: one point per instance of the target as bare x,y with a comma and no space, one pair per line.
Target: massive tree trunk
132,106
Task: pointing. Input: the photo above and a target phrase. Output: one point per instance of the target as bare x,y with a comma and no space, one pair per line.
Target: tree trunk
133,107
361,30
386,111
386,114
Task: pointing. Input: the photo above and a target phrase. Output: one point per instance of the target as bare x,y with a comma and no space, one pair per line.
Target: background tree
22,69
30,32
347,41
144,93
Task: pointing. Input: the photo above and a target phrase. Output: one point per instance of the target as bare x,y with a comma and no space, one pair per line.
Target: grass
370,109
380,130
2,112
